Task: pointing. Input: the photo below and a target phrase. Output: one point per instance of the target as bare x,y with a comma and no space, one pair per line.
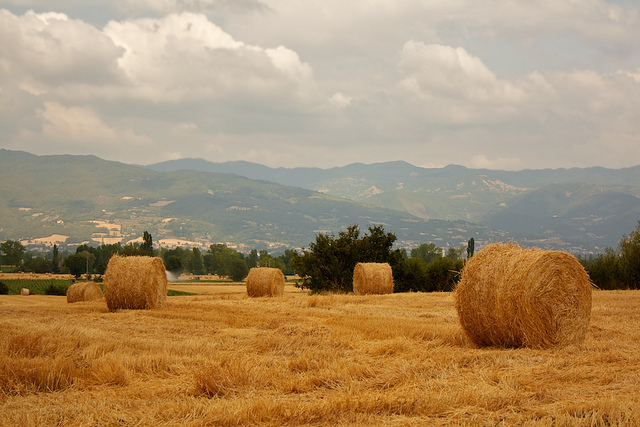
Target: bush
410,275
38,265
53,289
443,274
630,258
238,269
4,289
328,264
605,270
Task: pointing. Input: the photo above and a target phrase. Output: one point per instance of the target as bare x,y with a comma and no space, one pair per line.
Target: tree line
617,269
326,265
218,259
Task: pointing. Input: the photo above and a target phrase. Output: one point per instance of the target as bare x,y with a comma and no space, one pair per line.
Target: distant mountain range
77,199
581,208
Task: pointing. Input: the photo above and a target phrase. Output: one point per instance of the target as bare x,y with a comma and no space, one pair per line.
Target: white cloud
449,85
480,161
176,58
340,100
437,70
198,6
49,50
185,57
325,82
79,125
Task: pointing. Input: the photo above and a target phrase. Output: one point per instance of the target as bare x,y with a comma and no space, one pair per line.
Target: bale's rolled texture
24,291
84,291
513,297
372,278
265,282
135,282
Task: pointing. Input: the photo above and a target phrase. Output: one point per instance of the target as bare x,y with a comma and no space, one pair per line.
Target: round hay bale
135,282
84,291
513,297
372,278
24,291
265,282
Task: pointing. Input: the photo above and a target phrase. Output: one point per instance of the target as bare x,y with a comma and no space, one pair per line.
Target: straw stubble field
221,358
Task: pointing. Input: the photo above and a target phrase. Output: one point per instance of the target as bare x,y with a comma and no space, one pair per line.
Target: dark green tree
427,252
12,252
103,255
90,254
56,289
185,257
216,262
410,275
173,263
264,259
37,265
133,249
77,264
329,262
267,260
55,260
630,258
219,258
443,274
208,261
377,246
147,244
605,270
471,247
238,269
252,258
197,263
286,259
415,275
454,254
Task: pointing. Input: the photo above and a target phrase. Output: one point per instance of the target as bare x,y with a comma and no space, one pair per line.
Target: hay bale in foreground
265,282
84,291
135,282
513,297
372,278
24,291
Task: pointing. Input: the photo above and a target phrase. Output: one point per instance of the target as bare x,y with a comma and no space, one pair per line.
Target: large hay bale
84,291
135,282
513,297
372,278
24,291
265,282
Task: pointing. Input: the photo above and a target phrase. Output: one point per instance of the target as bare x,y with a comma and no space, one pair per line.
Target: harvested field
222,358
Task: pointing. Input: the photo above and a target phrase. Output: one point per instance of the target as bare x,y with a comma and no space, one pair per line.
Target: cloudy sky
500,84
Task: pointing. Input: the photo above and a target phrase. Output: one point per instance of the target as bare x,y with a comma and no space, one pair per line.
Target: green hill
583,214
92,200
530,205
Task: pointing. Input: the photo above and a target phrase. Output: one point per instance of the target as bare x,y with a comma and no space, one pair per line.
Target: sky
497,84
